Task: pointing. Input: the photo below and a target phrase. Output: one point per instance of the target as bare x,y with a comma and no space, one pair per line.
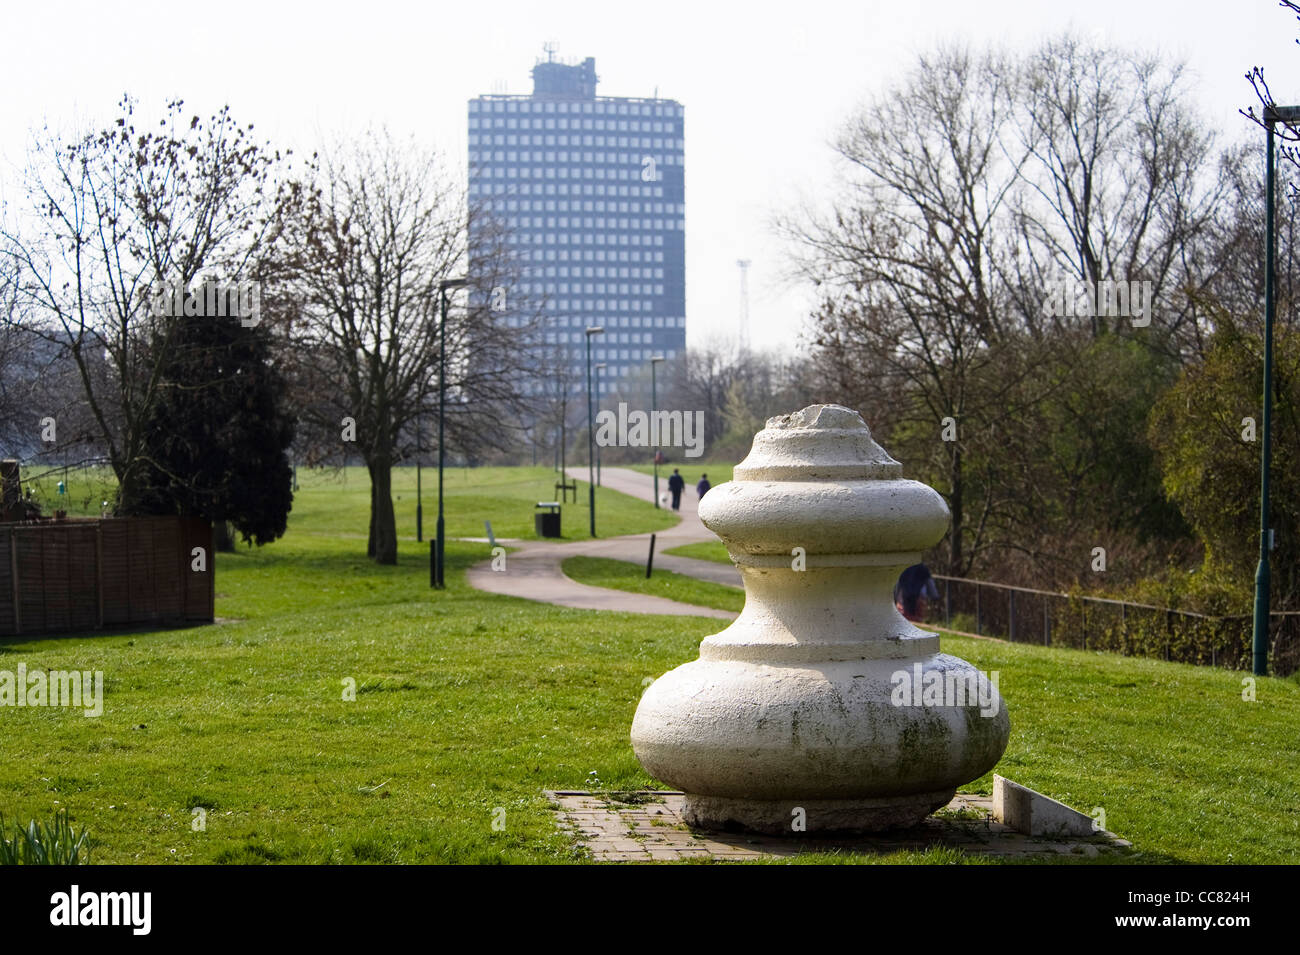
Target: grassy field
504,496
715,551
1095,730
467,706
85,489
336,502
718,471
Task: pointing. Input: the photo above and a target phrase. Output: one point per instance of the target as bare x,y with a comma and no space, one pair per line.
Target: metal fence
73,575
1024,615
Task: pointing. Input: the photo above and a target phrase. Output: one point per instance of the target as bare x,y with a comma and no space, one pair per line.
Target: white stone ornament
794,704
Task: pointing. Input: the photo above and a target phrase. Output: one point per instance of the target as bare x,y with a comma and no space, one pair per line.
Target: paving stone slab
647,826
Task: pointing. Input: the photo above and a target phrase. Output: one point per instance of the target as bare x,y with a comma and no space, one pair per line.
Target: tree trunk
127,492
383,525
370,542
223,537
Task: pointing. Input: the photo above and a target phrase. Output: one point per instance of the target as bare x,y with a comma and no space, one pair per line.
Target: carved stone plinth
820,708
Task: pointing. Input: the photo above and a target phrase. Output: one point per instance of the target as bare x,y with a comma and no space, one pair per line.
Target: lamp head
1283,114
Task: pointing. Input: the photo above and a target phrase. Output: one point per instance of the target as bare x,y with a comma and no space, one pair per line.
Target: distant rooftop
554,80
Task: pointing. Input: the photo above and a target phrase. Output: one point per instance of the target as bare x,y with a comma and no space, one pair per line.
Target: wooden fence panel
70,576
31,581
168,583
7,622
200,588
139,553
115,572
82,579
54,573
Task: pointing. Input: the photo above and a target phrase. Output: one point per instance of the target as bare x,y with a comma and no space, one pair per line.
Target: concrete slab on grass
1034,814
647,826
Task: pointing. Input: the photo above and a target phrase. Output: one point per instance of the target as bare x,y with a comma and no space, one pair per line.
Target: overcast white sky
765,84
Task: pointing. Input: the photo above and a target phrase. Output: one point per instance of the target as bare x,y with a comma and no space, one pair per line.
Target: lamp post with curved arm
591,434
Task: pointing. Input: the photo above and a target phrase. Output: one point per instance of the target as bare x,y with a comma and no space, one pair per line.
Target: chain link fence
1024,615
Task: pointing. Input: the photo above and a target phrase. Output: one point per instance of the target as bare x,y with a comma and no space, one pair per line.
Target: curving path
533,571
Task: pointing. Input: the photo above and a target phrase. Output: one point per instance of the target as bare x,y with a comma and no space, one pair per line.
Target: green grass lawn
1181,765
503,495
336,502
85,489
468,704
718,471
465,703
715,551
621,575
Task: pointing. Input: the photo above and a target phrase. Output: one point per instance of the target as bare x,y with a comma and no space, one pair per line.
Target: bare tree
1120,181
19,375
974,185
698,379
907,265
110,214
388,225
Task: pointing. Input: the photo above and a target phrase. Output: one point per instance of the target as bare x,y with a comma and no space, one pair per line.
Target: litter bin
547,519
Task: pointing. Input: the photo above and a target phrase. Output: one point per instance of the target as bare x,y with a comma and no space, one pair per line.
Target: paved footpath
533,571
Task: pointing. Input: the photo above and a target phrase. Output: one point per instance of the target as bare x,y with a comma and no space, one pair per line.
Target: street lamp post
419,491
1259,641
654,406
440,546
591,434
600,366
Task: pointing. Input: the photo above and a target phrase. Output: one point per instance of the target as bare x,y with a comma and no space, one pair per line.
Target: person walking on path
703,487
676,484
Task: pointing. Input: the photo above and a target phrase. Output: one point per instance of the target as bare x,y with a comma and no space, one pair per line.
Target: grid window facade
592,191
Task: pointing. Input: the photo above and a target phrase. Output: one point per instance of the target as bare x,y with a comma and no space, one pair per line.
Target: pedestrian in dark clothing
915,586
703,487
676,484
